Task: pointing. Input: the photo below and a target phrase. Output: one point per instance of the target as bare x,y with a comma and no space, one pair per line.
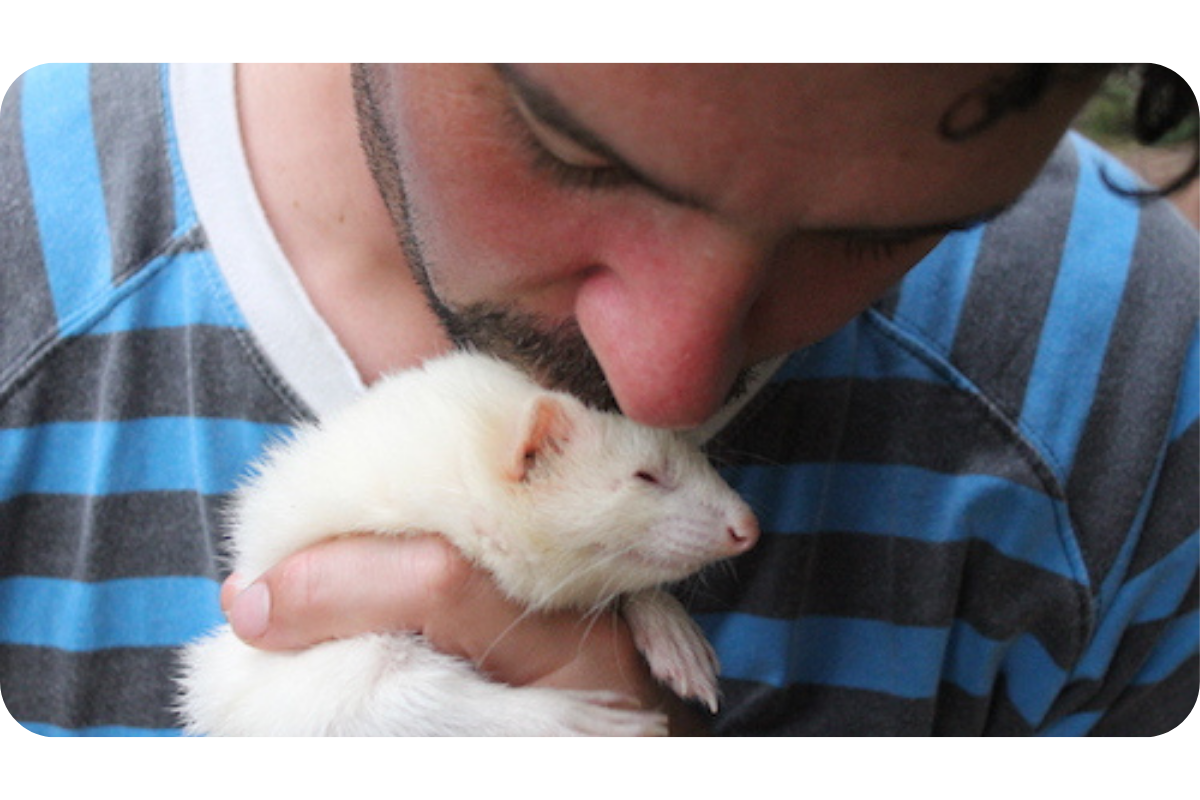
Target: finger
345,587
377,584
230,589
561,649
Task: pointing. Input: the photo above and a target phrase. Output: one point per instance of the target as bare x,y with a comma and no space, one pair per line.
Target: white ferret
565,506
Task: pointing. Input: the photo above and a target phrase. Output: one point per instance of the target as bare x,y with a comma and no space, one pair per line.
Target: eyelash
861,248
562,173
857,248
882,248
573,176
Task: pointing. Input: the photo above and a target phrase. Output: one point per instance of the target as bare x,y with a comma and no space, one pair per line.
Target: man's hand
364,584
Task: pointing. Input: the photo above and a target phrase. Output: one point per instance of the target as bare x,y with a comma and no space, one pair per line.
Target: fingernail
230,589
251,611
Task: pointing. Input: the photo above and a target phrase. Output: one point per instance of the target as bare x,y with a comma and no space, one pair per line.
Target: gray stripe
1154,709
1011,285
751,709
85,538
839,419
127,119
1137,392
28,309
127,686
886,304
150,373
1174,514
1130,709
897,581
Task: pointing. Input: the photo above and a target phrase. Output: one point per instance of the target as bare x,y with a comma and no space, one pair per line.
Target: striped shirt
978,499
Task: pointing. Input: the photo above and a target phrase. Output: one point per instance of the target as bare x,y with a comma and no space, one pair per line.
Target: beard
554,353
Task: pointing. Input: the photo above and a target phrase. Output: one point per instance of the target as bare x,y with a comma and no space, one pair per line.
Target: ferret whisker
592,616
607,595
433,449
525,614
566,580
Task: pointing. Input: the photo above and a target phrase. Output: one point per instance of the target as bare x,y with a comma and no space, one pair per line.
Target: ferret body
565,506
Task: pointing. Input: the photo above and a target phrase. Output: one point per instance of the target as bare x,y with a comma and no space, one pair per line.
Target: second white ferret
567,507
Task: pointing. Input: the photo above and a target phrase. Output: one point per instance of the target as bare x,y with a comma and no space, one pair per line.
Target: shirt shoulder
93,196
132,399
1006,418
1074,314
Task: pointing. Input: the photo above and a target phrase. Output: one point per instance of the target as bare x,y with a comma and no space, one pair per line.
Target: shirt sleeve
1139,673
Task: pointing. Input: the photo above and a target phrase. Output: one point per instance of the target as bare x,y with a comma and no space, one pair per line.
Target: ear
545,428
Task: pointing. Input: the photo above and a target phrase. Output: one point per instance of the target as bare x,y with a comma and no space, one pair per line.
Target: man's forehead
790,96
787,141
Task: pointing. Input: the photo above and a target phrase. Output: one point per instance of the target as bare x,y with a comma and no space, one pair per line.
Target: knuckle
445,572
299,586
351,585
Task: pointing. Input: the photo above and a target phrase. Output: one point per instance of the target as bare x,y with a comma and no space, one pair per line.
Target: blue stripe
866,348
45,729
903,661
864,655
64,178
935,290
1032,679
911,503
1188,409
1082,311
128,612
145,455
1074,725
1176,644
1156,592
1152,595
178,291
850,653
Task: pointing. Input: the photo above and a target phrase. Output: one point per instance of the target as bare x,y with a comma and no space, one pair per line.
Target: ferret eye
647,477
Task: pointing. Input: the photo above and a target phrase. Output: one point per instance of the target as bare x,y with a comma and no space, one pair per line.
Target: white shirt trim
293,335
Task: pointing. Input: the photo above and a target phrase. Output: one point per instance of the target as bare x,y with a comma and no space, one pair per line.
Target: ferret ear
545,428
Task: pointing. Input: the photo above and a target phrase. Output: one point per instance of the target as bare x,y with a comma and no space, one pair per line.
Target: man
971,446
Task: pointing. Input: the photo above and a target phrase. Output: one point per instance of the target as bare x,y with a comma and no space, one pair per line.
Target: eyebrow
541,103
885,232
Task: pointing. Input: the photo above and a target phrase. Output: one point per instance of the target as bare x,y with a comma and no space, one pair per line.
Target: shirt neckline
287,327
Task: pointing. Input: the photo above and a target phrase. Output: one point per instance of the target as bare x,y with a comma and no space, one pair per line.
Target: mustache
554,353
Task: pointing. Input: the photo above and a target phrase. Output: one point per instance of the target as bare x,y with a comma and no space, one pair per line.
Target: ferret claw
673,645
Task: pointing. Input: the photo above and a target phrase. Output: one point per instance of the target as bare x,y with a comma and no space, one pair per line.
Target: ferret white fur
566,506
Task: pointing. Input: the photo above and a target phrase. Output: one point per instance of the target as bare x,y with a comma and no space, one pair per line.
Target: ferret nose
742,532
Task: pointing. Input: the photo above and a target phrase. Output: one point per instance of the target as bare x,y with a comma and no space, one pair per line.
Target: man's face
643,234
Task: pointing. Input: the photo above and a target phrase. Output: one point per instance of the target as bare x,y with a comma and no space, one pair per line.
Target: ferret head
604,506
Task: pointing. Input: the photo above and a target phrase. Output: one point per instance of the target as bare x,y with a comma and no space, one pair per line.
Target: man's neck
301,139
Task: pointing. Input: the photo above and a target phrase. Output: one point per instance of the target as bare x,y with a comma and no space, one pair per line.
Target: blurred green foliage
1108,116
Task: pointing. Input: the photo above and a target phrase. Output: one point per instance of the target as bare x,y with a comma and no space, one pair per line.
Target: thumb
355,585
344,587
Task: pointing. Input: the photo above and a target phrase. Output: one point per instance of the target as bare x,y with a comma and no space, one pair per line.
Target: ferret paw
673,645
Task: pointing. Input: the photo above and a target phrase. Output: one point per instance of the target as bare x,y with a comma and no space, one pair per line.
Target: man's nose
669,323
